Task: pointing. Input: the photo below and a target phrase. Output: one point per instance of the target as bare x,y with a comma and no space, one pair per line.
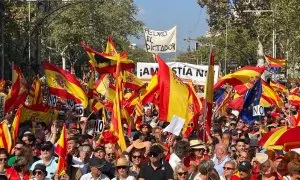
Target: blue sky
187,15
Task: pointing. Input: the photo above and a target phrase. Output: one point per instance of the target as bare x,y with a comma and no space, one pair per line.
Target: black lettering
179,70
189,72
149,39
174,70
146,72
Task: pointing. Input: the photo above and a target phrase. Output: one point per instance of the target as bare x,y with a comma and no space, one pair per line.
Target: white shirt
89,176
219,166
128,178
174,161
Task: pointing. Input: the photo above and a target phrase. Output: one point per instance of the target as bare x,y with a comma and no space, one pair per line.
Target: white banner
160,41
185,71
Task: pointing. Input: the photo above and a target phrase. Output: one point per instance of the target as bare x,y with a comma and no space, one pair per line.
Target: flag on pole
61,151
209,91
35,93
15,127
278,87
5,137
18,92
64,84
45,114
275,63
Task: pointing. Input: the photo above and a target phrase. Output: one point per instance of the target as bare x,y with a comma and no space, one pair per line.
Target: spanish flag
173,93
45,114
110,47
104,87
295,90
35,93
64,84
294,99
61,151
131,81
5,137
269,97
278,87
275,62
95,105
241,78
18,92
15,127
116,124
209,91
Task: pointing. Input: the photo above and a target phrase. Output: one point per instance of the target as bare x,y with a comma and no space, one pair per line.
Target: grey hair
179,166
233,163
206,166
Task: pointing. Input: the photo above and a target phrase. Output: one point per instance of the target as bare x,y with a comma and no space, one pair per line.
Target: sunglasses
45,149
135,157
182,173
110,154
18,148
37,172
228,168
121,167
3,159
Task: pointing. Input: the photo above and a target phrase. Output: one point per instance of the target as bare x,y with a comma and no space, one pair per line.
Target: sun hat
196,144
122,162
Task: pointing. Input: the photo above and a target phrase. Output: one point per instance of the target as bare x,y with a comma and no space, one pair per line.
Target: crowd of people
230,151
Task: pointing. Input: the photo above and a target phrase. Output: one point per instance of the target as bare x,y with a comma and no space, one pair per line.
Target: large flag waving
209,91
240,79
275,63
5,137
173,93
61,151
35,92
18,92
64,84
15,127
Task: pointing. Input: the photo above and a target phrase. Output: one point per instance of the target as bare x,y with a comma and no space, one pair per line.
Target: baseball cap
244,166
234,132
96,162
47,146
155,150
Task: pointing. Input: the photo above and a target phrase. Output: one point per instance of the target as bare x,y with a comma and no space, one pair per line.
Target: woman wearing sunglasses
136,160
39,172
180,172
122,170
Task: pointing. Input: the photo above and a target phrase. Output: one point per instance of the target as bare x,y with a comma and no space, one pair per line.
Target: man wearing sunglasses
156,168
3,160
39,172
17,151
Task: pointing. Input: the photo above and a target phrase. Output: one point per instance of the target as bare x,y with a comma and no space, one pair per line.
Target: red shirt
237,177
12,174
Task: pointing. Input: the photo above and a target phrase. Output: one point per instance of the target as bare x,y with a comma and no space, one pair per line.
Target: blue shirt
51,168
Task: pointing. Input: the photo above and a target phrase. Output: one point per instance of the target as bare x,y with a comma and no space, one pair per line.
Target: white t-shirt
128,178
89,176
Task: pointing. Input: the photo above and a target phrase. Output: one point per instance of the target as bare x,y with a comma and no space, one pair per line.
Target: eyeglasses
135,157
18,148
228,168
110,154
37,172
121,167
3,159
182,173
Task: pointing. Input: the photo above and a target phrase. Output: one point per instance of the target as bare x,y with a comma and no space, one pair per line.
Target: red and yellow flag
61,151
242,79
41,113
105,88
15,127
35,93
269,97
131,81
110,47
275,62
278,87
294,99
64,84
116,124
5,137
173,93
209,91
18,92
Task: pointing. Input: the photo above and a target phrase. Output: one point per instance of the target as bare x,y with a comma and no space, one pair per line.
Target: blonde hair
179,166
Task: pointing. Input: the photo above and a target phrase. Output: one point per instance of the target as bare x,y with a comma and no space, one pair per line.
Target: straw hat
261,157
196,144
139,145
122,162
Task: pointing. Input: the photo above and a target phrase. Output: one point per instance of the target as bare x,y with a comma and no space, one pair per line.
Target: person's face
243,156
71,145
282,123
46,153
136,158
95,171
3,159
198,152
256,125
219,152
266,168
244,174
157,133
85,154
39,175
25,140
18,149
148,112
228,170
145,129
240,124
154,158
122,170
110,156
240,146
182,174
100,154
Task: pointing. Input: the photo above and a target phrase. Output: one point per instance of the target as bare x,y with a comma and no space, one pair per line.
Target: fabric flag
275,63
241,80
131,81
295,90
95,105
219,95
5,137
173,93
61,151
110,47
64,84
116,124
269,97
252,99
104,87
294,99
15,127
35,93
45,114
209,91
18,92
278,87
